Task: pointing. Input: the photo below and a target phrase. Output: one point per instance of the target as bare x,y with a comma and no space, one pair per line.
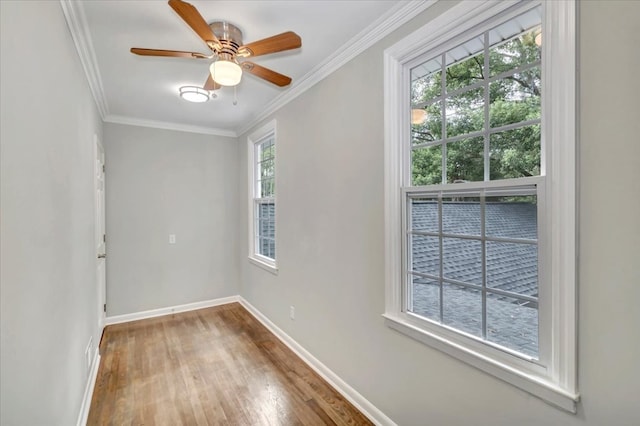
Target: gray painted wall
49,302
330,244
162,182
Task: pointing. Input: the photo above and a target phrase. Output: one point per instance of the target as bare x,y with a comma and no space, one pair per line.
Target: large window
475,145
262,178
472,261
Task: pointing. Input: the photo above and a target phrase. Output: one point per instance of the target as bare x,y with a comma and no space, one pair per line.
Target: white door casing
100,234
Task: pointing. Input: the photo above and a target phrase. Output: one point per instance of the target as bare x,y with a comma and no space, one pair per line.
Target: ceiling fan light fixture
194,94
226,73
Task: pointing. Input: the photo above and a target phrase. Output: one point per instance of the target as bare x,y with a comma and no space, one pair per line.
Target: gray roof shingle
511,266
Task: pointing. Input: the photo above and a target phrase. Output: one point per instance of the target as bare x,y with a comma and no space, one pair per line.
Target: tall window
472,258
262,157
473,139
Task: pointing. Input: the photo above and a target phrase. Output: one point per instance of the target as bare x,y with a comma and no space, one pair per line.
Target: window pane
425,253
267,187
465,112
431,129
426,166
462,260
516,52
266,229
513,267
426,81
465,160
424,214
462,309
272,248
425,297
512,217
461,215
465,64
265,152
515,98
513,323
515,153
266,168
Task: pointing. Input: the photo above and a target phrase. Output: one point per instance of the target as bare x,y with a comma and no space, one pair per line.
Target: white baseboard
117,319
88,390
354,397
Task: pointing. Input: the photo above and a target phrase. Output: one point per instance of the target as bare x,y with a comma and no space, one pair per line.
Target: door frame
101,284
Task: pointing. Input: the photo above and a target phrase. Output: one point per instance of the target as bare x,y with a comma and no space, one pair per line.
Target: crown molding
377,30
77,23
120,119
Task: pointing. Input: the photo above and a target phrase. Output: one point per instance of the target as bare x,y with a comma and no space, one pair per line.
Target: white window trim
255,258
557,383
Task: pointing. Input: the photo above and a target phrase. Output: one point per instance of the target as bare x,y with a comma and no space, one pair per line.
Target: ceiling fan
225,42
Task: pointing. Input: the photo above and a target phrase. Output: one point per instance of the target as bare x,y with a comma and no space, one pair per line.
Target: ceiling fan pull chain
235,95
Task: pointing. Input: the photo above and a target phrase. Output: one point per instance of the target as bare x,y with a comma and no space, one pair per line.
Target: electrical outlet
292,312
172,238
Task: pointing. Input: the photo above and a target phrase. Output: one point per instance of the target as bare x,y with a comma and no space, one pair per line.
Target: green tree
514,97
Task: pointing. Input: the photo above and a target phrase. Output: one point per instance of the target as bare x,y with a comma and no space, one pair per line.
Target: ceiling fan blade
277,43
266,74
173,53
210,84
192,17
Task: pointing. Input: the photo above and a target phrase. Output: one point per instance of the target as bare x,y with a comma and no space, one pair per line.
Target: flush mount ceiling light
194,94
538,39
537,36
226,72
418,116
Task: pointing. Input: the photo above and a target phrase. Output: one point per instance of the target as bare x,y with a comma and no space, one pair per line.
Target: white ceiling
145,89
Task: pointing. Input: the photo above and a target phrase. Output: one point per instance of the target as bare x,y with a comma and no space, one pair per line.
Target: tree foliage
514,97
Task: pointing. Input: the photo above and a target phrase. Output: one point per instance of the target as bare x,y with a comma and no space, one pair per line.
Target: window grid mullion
487,100
489,290
474,237
487,177
441,250
483,253
409,248
490,79
478,133
443,112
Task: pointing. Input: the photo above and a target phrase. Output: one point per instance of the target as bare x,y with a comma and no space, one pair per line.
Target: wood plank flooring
214,366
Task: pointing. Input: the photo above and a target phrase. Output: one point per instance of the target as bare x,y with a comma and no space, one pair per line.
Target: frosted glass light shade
225,73
194,94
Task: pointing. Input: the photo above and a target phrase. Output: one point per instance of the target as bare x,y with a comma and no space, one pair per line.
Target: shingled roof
511,267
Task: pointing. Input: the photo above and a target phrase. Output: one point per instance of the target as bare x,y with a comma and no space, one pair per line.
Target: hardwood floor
214,366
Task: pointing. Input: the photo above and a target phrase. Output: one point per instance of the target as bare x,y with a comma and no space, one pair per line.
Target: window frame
554,377
254,140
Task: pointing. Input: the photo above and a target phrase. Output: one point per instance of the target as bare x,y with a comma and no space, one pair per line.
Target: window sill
264,265
538,386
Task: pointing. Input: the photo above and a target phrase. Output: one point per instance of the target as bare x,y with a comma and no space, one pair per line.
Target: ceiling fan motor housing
230,38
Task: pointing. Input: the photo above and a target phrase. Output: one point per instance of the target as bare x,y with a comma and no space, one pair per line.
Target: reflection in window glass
428,126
